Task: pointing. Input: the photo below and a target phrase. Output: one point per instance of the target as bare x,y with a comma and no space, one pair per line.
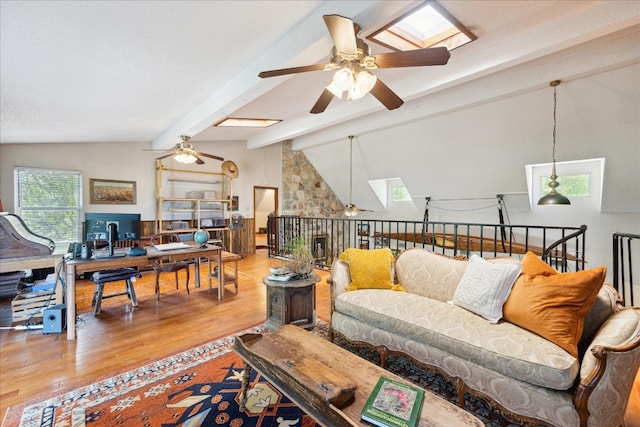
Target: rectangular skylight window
247,123
428,25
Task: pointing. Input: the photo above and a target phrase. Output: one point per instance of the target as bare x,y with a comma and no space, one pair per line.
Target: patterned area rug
199,387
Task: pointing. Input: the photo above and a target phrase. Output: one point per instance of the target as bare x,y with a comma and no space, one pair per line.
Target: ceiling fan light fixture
335,90
350,210
365,81
185,158
553,198
343,79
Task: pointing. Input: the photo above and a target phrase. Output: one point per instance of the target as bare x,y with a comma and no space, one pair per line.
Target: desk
74,267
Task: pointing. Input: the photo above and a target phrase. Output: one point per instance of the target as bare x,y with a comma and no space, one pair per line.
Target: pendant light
350,209
553,197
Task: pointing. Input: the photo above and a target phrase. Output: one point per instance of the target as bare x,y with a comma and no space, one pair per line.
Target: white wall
129,161
482,150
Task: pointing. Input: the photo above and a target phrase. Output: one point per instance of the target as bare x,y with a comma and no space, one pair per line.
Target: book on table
393,404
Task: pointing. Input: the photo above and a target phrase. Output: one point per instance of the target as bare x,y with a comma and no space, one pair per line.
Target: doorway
265,202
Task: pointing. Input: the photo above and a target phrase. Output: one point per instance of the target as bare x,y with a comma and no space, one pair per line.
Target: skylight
248,123
428,25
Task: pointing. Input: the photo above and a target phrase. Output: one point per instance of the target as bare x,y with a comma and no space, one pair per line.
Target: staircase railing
624,259
562,247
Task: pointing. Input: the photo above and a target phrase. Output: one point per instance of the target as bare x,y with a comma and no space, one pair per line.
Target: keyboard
172,246
118,255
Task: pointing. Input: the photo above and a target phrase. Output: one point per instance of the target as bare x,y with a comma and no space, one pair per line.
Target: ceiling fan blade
293,70
199,161
386,96
322,102
413,58
166,154
342,33
211,156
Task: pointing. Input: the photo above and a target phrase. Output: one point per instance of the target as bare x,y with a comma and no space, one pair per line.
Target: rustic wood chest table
328,382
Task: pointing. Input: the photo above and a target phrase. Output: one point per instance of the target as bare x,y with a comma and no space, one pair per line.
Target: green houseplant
300,259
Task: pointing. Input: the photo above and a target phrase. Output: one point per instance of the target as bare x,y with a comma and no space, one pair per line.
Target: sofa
448,315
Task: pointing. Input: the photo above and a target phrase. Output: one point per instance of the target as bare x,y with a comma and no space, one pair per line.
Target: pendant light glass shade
553,197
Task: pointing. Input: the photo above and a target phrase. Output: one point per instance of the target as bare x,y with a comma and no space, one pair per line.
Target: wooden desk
303,366
74,267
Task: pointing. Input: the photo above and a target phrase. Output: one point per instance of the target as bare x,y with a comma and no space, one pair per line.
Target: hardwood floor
33,364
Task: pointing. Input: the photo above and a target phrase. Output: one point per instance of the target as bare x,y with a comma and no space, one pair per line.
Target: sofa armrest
609,369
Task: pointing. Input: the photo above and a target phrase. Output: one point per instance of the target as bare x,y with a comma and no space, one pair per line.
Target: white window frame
593,167
21,179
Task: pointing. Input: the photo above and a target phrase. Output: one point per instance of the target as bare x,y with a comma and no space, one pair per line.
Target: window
428,25
572,185
581,181
391,191
50,202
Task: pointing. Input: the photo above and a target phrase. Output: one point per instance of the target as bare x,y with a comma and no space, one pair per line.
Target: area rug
198,387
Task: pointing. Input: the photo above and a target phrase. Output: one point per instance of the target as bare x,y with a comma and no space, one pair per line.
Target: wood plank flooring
121,337
33,364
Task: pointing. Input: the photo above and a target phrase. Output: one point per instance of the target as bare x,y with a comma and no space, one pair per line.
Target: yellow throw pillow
370,269
552,304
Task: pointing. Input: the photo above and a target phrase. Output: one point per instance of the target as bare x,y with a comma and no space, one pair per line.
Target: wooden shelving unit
185,197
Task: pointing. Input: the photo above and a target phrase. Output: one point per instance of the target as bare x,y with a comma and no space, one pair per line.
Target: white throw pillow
485,287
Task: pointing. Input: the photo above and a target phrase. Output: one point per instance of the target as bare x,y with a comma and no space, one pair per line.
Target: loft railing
624,259
561,247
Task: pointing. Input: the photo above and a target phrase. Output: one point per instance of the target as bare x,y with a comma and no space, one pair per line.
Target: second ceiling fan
351,59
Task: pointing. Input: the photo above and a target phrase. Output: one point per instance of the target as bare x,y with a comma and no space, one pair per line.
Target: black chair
107,276
164,266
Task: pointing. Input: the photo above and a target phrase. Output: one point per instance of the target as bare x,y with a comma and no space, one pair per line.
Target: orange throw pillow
552,304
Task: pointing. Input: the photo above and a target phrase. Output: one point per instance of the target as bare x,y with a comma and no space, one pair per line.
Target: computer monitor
96,226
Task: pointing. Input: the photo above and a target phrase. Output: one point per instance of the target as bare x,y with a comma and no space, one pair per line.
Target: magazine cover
393,404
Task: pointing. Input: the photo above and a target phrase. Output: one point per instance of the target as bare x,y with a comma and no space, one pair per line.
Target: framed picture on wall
234,202
363,229
112,192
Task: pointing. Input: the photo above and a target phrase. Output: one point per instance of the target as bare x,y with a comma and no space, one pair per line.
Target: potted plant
300,259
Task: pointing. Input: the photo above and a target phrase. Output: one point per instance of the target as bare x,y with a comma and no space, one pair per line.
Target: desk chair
164,266
102,277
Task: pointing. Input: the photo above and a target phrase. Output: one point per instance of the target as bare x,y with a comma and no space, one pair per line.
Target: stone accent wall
304,192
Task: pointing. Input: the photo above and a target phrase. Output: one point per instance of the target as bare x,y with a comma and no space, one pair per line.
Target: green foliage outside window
49,202
400,194
571,185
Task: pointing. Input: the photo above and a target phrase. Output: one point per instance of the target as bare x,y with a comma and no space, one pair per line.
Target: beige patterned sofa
528,378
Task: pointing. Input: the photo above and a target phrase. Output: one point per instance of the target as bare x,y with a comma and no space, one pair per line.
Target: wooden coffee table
328,382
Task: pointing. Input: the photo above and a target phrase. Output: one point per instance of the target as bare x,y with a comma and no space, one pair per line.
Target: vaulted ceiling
150,71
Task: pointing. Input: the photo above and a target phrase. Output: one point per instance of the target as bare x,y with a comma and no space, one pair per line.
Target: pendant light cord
555,84
350,167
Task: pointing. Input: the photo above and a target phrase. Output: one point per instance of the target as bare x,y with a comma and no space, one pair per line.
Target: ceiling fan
184,152
351,58
350,209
